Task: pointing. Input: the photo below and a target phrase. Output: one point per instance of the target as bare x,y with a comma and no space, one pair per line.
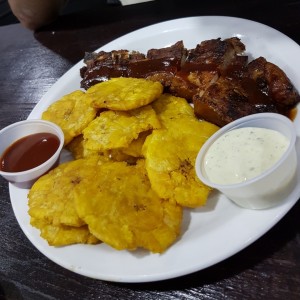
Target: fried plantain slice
124,93
76,147
116,129
51,197
171,153
78,150
72,113
135,147
170,108
62,235
123,211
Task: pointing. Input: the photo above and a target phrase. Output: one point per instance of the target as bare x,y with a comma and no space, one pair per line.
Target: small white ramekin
272,186
16,131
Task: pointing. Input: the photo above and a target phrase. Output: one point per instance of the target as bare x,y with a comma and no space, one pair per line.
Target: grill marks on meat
213,55
215,76
205,64
227,100
104,65
259,86
272,81
159,65
183,71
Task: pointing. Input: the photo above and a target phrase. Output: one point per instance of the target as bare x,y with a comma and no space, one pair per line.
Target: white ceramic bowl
270,187
16,131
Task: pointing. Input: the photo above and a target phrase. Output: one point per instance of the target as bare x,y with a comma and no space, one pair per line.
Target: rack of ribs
215,76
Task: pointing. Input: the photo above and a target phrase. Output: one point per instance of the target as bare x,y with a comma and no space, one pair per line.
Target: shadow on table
9,291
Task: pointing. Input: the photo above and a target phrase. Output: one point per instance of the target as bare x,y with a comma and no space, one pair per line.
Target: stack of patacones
134,151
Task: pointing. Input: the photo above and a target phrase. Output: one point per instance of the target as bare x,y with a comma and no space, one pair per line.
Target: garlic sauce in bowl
243,153
252,160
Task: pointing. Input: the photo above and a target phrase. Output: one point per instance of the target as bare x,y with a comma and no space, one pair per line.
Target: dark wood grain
31,62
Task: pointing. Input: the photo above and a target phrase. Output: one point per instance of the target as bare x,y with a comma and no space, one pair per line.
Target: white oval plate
211,233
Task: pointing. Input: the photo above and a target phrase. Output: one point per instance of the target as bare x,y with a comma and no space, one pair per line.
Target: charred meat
215,76
272,81
227,100
158,65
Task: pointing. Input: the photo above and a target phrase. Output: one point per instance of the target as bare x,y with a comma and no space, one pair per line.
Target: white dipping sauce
243,153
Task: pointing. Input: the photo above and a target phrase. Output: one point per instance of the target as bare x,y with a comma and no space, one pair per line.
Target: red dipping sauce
29,152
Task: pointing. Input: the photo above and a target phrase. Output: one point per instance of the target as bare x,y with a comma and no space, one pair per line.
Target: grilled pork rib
104,65
215,76
272,81
227,100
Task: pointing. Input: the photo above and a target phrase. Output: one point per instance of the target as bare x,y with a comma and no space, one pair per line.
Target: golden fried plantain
72,113
78,150
51,197
124,93
76,147
116,129
134,169
171,153
170,108
135,147
62,235
123,211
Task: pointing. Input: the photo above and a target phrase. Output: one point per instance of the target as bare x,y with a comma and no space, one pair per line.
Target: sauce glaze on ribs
215,76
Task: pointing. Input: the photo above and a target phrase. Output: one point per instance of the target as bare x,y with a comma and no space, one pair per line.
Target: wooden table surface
31,63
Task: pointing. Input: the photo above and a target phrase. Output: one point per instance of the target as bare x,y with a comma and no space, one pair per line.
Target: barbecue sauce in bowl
29,152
